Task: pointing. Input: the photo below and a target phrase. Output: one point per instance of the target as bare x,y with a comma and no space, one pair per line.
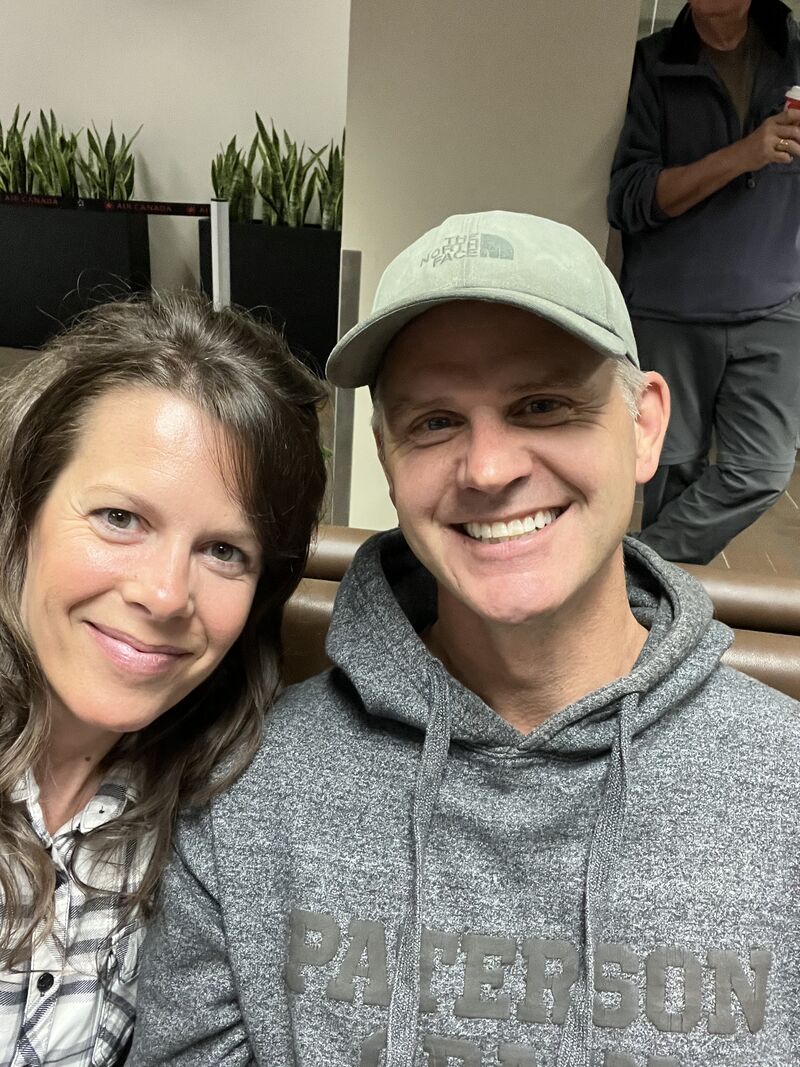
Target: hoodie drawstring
604,849
401,1039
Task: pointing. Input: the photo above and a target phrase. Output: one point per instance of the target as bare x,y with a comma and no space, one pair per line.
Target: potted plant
282,268
59,254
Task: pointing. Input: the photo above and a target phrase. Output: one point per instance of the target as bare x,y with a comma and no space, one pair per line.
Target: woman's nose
162,585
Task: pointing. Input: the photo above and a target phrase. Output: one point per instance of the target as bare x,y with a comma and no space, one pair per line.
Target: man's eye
437,422
542,406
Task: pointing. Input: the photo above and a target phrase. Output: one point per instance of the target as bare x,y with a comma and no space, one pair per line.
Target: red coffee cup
793,98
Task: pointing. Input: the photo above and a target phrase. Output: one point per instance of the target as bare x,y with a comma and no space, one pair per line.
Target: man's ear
378,435
651,425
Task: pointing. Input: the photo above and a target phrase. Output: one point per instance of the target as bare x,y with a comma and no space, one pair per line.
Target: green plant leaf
109,170
94,145
111,146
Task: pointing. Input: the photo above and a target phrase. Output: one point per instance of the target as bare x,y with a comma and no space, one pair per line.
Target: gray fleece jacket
401,867
736,255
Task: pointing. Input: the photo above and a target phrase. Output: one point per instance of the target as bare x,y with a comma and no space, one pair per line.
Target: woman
161,477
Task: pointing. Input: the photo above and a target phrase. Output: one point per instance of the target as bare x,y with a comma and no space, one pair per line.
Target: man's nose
494,457
162,584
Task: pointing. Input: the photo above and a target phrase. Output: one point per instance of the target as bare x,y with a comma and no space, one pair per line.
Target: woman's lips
133,655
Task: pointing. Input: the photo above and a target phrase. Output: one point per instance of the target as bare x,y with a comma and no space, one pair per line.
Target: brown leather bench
764,614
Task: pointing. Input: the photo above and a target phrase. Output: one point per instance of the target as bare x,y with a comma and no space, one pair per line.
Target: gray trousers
740,382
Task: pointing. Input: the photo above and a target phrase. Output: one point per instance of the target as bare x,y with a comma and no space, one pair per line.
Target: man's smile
506,530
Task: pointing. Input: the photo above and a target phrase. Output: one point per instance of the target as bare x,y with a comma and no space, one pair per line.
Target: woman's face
141,566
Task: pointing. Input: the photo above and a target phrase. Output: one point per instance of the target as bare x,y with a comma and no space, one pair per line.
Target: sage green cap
503,257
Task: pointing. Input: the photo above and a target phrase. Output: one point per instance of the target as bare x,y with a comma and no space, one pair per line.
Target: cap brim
357,357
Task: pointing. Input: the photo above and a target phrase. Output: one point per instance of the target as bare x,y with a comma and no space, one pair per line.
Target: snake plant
15,177
232,180
287,182
108,170
330,181
53,159
52,164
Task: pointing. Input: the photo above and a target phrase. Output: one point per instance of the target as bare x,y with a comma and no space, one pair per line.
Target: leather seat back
764,614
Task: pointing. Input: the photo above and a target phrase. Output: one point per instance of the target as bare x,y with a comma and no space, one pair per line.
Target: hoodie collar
387,598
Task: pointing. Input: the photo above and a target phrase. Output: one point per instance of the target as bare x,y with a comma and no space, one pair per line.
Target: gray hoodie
399,865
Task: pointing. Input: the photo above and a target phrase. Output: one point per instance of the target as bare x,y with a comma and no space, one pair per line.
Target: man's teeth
506,531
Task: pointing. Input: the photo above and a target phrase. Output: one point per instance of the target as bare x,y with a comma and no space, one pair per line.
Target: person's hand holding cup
776,140
789,147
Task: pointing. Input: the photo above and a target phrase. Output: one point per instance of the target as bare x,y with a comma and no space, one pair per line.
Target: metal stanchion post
220,254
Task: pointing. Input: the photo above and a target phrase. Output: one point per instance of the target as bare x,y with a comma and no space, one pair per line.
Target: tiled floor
771,546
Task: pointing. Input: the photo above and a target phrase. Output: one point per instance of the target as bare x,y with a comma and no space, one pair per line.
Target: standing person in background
705,188
150,534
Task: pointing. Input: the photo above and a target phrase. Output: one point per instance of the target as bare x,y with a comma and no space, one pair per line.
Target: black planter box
55,262
288,276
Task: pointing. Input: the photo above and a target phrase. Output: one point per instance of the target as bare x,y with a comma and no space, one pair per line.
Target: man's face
496,421
720,8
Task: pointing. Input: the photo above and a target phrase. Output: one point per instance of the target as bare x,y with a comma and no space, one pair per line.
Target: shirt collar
116,791
111,799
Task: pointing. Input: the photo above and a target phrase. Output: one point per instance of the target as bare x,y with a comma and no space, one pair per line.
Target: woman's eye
226,553
118,518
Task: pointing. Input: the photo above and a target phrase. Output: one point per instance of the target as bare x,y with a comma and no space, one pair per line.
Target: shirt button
44,982
751,183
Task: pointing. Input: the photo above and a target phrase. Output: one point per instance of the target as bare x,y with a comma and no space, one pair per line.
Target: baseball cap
504,257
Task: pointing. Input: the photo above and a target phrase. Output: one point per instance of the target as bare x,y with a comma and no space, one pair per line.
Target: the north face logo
463,246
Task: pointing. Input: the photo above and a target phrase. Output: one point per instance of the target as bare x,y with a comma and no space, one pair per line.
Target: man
528,819
706,190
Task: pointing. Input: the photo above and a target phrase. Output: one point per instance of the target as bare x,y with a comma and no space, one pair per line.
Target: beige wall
464,105
193,71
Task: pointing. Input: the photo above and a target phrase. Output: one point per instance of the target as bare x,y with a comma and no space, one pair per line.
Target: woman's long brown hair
241,374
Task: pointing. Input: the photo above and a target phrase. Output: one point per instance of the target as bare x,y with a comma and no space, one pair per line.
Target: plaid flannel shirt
73,1003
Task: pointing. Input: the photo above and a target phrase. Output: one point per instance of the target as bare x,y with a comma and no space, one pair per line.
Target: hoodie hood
387,598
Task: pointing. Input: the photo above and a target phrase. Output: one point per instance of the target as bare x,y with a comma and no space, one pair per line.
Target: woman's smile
133,655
